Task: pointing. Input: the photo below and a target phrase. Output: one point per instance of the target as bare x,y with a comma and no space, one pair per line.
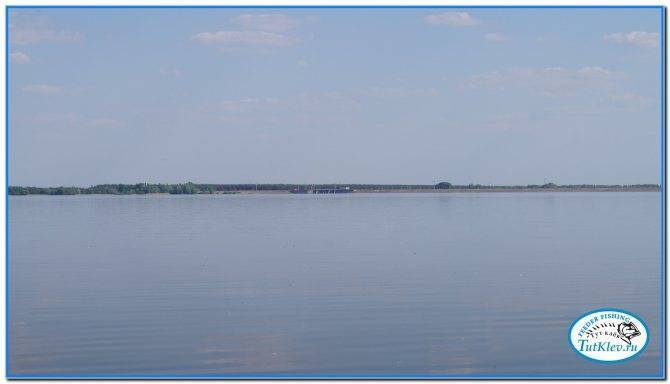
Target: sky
334,95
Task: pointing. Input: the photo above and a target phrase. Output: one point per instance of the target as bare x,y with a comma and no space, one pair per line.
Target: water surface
359,284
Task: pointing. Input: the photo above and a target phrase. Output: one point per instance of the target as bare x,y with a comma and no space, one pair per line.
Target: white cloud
19,58
267,22
303,63
495,37
242,38
42,89
260,33
639,38
452,19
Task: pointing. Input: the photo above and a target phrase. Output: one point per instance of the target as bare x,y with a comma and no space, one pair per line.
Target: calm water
479,283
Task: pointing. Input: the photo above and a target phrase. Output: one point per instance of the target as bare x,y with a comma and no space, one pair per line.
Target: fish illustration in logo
609,335
627,331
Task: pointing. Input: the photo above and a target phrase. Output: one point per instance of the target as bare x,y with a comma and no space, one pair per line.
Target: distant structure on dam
319,191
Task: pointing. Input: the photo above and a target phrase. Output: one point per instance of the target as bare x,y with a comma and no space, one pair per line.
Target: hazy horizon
314,96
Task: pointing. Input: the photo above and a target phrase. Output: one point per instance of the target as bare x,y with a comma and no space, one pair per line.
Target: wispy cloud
397,92
268,110
495,37
43,89
72,119
591,89
639,38
630,99
598,73
101,122
452,19
308,108
32,36
170,72
26,29
19,58
267,22
242,38
549,81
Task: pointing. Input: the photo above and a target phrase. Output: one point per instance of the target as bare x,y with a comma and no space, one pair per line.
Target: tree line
191,188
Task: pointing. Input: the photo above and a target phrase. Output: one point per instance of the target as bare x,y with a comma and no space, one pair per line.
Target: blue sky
224,95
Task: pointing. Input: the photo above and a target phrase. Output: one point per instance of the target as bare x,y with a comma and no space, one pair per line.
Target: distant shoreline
530,190
488,190
249,189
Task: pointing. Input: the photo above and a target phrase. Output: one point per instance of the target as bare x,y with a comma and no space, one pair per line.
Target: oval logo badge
609,335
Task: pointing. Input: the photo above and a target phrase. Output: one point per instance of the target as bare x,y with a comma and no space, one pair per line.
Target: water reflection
475,283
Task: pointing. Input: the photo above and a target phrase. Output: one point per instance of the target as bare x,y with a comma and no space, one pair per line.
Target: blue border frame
661,375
